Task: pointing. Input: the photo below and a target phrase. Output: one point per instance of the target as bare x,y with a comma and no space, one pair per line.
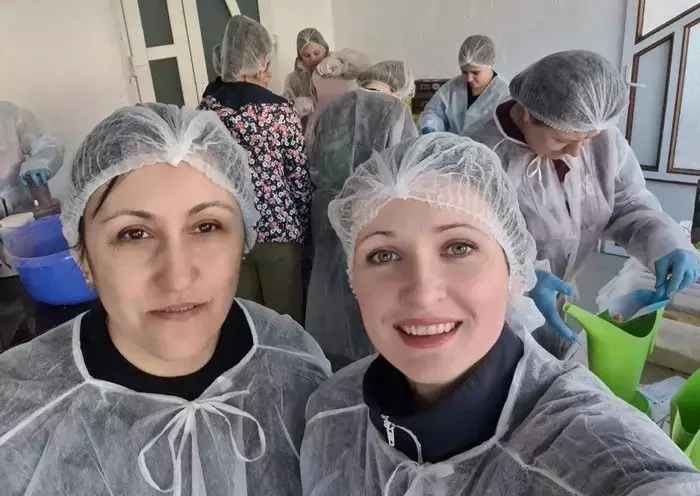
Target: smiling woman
461,399
167,381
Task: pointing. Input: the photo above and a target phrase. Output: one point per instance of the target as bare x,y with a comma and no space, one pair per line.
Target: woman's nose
176,271
574,149
423,283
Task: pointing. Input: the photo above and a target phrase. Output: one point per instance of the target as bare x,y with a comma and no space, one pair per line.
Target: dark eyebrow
142,214
204,206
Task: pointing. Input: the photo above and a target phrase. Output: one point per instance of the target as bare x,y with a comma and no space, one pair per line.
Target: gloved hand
545,297
675,272
304,105
428,130
36,177
331,67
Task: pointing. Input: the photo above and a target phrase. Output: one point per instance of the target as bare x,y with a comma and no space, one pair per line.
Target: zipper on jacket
389,426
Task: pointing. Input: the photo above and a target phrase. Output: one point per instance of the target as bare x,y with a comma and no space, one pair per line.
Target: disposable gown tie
183,426
418,476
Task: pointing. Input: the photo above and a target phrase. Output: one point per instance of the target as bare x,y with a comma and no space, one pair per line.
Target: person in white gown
461,400
170,384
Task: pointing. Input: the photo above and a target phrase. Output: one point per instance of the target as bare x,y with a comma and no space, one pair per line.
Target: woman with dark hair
166,385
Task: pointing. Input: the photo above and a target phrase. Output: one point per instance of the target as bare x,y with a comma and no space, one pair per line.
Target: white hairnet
308,36
447,171
244,48
573,91
477,50
393,73
216,59
134,137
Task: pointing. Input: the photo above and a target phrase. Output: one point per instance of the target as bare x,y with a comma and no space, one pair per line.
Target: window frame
678,31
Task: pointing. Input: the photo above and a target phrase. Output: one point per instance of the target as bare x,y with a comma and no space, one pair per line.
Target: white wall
427,34
62,60
66,61
677,200
288,18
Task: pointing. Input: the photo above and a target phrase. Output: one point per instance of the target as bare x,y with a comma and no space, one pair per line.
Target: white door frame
187,47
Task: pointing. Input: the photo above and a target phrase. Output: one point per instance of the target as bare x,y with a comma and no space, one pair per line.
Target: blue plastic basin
45,266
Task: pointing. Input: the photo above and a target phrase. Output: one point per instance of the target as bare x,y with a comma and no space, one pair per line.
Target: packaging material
678,343
425,89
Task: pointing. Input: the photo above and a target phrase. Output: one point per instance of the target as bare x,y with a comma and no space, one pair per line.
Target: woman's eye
130,235
383,257
459,249
207,227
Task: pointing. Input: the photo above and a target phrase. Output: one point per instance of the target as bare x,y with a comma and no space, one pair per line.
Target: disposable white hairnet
308,36
134,137
477,50
393,73
446,171
244,49
561,432
572,91
25,145
66,434
350,129
216,59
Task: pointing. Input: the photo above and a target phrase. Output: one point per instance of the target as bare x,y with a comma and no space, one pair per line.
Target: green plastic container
617,352
685,418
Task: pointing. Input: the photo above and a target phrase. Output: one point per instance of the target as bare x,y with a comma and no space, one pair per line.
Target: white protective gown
447,109
351,128
607,200
65,433
561,433
606,195
24,146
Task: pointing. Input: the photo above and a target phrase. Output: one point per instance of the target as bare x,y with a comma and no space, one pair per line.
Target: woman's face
164,252
312,55
553,144
478,78
432,287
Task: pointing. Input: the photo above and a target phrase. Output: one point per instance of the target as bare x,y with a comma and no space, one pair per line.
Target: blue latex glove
428,130
36,177
675,272
545,297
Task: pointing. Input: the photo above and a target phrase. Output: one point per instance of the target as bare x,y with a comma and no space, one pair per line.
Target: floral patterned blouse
266,125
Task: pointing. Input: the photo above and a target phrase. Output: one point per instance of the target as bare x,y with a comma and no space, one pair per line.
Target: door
171,43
